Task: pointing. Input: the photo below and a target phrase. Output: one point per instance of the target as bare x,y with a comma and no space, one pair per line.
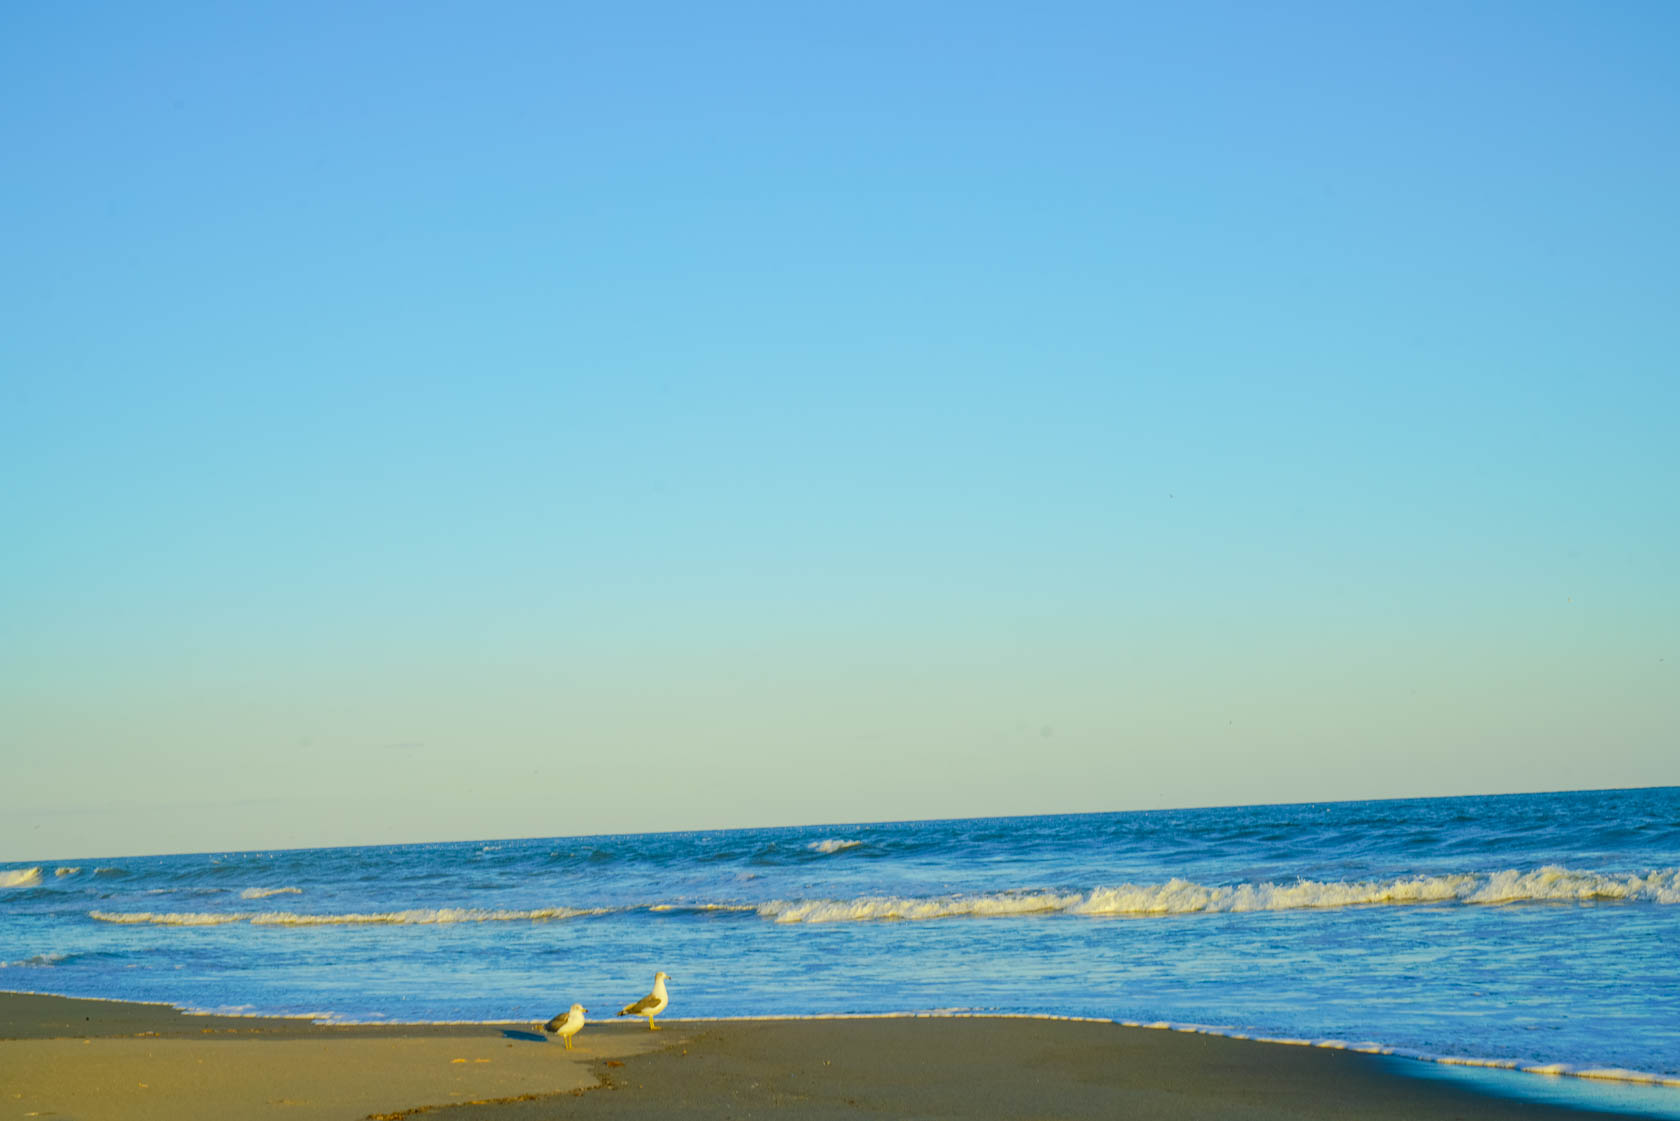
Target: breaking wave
20,877
426,917
875,908
1550,884
700,908
833,844
265,892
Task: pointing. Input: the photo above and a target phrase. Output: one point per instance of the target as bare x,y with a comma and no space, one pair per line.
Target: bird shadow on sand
527,1036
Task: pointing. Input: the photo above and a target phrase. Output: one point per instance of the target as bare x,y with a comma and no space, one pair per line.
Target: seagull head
661,976
579,1008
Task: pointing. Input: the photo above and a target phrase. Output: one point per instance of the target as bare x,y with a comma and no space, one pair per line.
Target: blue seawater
1536,929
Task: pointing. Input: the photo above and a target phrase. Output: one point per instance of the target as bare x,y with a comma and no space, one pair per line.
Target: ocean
1531,930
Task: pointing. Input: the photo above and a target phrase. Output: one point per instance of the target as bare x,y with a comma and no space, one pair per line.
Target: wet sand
96,1059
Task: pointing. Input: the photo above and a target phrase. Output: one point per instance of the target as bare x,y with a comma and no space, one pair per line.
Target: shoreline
1551,1071
131,1061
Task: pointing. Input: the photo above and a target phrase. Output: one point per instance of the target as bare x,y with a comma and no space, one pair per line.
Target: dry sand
92,1060
95,1060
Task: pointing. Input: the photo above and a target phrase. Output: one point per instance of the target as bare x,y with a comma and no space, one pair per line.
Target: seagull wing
648,1001
554,1024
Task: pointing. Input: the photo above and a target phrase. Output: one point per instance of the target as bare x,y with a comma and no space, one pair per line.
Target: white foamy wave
1553,882
20,877
69,870
420,917
833,844
701,908
38,959
428,916
265,892
1183,897
1548,884
878,908
175,918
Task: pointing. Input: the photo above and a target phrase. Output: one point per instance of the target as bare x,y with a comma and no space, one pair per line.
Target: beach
1490,944
133,1062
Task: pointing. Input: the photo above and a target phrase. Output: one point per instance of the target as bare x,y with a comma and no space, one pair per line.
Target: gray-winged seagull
567,1024
652,1004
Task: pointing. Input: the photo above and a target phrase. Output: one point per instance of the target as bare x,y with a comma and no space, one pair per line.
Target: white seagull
567,1024
652,1004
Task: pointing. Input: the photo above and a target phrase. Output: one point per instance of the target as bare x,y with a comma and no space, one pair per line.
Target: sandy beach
104,1059
127,1062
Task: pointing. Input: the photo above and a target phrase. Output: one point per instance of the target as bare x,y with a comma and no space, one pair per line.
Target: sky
440,421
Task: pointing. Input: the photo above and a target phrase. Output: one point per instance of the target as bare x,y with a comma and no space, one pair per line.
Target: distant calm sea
1539,929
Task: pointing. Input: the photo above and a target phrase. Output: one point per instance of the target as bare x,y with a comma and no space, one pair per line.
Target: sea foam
426,917
832,845
20,877
265,892
1551,884
875,908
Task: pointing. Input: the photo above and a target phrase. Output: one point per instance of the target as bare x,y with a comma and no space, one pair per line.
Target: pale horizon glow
426,425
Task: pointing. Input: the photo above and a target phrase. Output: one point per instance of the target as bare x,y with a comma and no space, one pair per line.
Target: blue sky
423,422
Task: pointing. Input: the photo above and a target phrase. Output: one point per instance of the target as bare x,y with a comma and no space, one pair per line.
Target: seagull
567,1024
652,1004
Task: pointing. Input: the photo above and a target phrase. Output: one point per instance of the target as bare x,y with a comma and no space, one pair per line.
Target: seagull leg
568,1040
651,1025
